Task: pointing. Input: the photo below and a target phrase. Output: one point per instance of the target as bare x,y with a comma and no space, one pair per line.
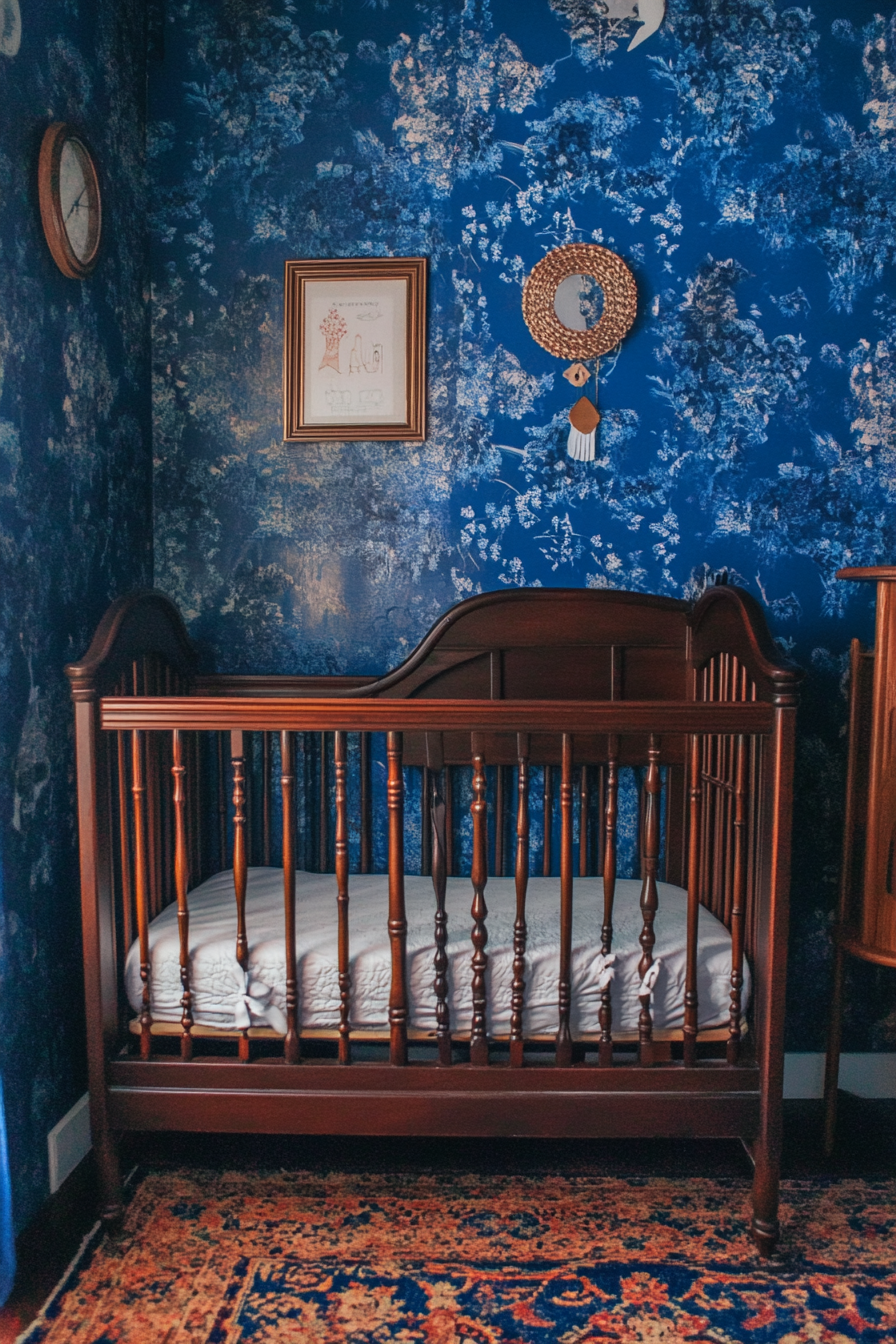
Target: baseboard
867,1074
69,1142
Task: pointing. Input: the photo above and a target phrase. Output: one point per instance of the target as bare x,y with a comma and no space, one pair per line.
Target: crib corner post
771,973
98,924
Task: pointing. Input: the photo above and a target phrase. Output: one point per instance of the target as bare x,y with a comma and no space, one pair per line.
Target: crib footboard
532,804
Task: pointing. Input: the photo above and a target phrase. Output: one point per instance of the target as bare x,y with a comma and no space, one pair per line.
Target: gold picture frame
354,349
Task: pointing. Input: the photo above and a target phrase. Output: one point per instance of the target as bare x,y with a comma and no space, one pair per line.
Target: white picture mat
354,352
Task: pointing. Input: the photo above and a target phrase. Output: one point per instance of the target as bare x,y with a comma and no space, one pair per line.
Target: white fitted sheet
222,995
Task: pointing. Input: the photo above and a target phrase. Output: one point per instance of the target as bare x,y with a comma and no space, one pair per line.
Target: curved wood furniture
866,915
181,776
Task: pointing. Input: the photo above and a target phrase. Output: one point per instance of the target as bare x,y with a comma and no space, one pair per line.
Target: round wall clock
69,193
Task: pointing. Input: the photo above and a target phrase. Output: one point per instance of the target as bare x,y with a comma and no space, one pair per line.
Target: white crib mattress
224,997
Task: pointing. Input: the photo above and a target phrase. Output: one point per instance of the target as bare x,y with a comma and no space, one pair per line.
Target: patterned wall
75,483
741,159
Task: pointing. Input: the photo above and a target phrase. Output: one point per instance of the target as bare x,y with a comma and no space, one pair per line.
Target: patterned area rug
441,1259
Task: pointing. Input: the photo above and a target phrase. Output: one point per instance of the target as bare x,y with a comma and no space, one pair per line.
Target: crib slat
167,890
649,899
435,770
547,859
340,753
398,922
564,987
141,887
738,899
611,814
181,878
691,1002
291,1043
154,837
479,910
240,863
124,840
518,989
364,762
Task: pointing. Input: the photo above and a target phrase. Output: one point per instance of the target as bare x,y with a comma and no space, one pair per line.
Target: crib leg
765,1228
105,1149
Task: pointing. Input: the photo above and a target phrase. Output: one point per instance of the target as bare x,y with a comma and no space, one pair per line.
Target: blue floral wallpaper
742,160
75,509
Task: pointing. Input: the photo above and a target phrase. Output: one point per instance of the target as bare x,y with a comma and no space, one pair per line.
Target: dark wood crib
181,776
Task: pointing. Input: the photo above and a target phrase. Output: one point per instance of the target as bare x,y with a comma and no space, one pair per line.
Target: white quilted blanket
224,997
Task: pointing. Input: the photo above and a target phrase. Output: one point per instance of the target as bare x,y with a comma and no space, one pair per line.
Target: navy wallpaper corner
742,160
75,521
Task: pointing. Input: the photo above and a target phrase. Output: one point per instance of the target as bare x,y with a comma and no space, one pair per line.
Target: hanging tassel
584,419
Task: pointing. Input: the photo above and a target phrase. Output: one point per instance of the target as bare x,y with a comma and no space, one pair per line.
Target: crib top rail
359,714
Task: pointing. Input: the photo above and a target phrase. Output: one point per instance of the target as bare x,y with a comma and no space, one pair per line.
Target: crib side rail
159,727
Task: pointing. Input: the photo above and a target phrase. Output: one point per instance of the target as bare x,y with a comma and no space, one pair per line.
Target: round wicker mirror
540,300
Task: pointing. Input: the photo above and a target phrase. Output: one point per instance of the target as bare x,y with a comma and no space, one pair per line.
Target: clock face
77,200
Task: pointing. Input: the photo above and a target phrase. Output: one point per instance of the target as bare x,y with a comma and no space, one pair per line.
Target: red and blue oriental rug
469,1259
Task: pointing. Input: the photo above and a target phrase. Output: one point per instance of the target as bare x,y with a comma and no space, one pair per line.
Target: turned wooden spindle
341,843
154,853
435,771
738,900
479,910
691,1002
649,897
398,923
240,864
564,986
292,1041
141,888
518,989
181,877
124,841
611,817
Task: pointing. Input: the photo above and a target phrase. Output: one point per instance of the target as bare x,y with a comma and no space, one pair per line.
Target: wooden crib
533,704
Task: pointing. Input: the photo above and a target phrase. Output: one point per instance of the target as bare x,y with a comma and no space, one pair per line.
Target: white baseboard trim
68,1142
867,1074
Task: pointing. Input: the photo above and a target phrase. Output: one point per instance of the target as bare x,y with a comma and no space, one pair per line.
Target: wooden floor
866,1147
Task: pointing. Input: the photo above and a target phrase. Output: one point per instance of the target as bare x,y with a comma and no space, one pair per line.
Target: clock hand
76,204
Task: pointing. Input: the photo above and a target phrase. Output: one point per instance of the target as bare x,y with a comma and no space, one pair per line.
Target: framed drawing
354,349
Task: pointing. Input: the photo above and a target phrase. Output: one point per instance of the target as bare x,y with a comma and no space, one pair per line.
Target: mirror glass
579,302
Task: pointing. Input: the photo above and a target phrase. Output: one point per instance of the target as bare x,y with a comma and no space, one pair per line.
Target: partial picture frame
354,349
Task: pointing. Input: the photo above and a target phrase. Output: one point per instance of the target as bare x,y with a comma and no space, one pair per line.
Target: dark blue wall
75,510
742,160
